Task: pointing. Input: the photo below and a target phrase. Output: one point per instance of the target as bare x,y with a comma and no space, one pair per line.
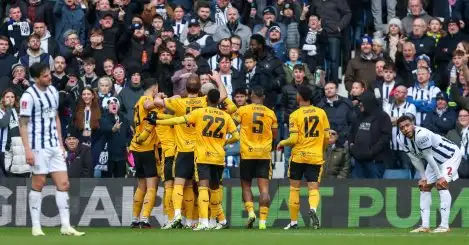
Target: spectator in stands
178,21
157,27
461,12
236,56
423,95
164,70
257,76
16,27
19,81
220,15
338,14
393,37
79,163
223,48
89,79
379,69
68,99
442,119
97,51
395,109
180,77
35,54
6,59
337,159
289,20
384,87
460,136
378,49
415,8
116,130
423,43
313,41
446,46
72,50
137,49
362,67
69,16
293,59
406,62
231,78
369,139
38,11
435,30
240,97
59,77
156,8
234,27
203,17
269,18
120,78
105,91
108,66
340,113
275,41
197,36
358,88
86,117
48,44
129,95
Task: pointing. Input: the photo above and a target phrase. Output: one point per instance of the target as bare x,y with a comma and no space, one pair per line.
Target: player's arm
327,134
162,116
24,121
427,153
59,131
148,128
172,121
221,87
417,164
293,128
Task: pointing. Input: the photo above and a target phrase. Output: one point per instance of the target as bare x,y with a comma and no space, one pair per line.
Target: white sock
61,198
223,222
293,222
35,201
212,222
177,212
445,207
204,222
262,222
188,222
425,204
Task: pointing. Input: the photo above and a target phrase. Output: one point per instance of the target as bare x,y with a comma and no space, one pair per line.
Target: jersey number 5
210,121
311,123
258,124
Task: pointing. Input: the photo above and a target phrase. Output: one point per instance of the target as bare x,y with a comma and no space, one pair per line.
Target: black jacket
461,12
440,124
131,50
262,78
405,69
423,45
289,103
119,140
41,11
371,134
163,73
274,66
341,117
53,47
335,15
80,164
6,62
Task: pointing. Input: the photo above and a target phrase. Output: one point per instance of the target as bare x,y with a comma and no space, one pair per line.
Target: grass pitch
118,236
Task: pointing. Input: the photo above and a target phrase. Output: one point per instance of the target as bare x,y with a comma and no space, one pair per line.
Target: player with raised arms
40,132
258,130
212,125
443,158
309,136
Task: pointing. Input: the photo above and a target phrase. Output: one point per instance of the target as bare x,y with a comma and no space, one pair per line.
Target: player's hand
422,183
29,157
442,183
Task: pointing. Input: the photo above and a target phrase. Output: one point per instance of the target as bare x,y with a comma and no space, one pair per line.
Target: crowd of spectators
393,57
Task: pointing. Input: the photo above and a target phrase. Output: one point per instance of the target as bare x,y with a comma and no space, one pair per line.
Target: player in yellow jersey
185,139
211,128
258,129
309,136
143,146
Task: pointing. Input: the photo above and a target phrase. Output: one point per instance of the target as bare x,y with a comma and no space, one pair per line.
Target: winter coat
128,97
423,45
40,11
405,69
409,19
341,117
288,101
53,47
6,62
440,124
241,30
288,68
119,140
371,134
79,163
337,163
360,69
17,32
456,96
335,15
66,19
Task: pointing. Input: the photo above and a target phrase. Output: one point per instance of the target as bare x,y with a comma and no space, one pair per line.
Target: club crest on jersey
24,104
422,140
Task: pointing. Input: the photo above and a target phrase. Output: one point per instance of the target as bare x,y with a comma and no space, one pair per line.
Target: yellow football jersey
257,122
139,115
211,127
185,134
166,137
312,125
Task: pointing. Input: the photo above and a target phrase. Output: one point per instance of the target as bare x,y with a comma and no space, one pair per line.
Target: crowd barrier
344,203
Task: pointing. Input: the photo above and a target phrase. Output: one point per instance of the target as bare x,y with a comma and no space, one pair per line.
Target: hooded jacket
371,133
50,46
360,68
79,163
128,97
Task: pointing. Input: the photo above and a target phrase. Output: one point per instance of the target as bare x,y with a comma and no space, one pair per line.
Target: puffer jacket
337,164
15,158
289,103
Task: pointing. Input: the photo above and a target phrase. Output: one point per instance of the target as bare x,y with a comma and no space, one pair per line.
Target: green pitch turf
118,236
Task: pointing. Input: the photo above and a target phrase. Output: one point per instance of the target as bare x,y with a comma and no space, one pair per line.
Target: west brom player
443,158
40,132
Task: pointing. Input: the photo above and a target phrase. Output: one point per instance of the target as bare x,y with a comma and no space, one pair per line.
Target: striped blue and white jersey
442,149
41,107
395,111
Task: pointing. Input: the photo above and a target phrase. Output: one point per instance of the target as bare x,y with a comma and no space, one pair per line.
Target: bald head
233,15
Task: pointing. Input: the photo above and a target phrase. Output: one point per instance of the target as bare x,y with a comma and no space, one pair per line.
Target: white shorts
49,160
449,169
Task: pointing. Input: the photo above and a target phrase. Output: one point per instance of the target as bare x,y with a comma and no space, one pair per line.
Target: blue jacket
68,19
440,124
423,105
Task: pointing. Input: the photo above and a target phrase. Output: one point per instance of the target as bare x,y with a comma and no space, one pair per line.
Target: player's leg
263,174
168,189
221,218
188,203
58,172
313,177
216,196
246,182
178,189
425,187
202,176
195,212
35,202
139,195
295,174
149,201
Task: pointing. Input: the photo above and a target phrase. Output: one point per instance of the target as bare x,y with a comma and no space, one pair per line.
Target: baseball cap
269,9
194,22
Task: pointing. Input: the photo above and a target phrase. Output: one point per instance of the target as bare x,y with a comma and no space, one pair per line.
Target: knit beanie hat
395,21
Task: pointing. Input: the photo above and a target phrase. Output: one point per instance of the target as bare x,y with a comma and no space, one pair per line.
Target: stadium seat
396,174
